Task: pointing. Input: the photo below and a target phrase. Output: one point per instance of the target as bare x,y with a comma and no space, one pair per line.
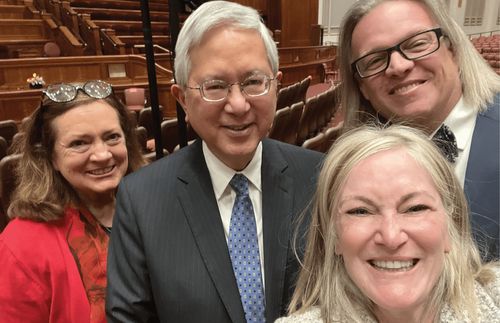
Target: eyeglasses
412,48
217,90
64,92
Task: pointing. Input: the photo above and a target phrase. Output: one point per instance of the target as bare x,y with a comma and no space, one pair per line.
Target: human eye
114,138
214,85
254,81
358,211
417,208
79,145
417,44
374,61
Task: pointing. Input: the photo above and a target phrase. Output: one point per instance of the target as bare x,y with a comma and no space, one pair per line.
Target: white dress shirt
461,121
221,175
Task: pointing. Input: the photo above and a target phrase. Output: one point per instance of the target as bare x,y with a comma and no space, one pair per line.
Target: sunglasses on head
64,92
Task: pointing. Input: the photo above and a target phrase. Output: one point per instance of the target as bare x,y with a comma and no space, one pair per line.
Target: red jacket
39,278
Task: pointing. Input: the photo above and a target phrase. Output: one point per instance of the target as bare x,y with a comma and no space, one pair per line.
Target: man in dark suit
409,61
183,229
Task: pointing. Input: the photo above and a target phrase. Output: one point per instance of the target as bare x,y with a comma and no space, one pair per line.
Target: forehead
93,116
227,51
395,165
389,23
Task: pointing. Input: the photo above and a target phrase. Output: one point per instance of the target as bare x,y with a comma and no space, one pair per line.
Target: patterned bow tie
446,142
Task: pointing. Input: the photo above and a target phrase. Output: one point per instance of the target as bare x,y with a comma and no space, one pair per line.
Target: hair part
213,14
42,193
324,280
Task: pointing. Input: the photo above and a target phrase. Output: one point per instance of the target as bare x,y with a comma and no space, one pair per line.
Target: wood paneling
297,18
18,101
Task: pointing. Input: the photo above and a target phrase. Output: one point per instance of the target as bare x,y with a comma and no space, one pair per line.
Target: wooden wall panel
296,22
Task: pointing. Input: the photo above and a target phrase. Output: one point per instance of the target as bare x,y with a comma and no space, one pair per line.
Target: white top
221,175
461,121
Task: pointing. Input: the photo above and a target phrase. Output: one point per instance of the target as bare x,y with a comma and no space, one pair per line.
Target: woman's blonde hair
324,281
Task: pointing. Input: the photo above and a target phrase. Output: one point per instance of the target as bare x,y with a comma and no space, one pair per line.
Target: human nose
390,232
398,64
100,151
236,100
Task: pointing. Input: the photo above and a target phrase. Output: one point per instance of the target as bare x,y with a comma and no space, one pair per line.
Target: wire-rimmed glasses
417,46
217,90
65,92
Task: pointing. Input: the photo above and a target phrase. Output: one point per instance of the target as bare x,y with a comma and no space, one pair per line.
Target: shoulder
168,166
294,155
493,109
493,287
488,296
21,232
312,315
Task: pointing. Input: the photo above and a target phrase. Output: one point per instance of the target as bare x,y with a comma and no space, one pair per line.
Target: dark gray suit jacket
168,257
482,181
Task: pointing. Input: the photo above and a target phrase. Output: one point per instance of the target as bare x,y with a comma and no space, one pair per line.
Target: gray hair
479,82
213,14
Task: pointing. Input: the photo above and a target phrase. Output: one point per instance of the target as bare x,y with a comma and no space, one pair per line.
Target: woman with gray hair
390,238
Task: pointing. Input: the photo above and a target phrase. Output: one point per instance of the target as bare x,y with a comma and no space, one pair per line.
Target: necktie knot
446,142
239,183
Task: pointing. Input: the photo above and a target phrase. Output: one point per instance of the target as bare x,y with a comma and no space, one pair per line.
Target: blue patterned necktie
244,251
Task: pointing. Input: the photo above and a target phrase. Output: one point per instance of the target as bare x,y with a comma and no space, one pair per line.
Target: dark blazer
168,257
482,181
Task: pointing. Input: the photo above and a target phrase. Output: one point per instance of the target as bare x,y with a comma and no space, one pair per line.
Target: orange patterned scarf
89,245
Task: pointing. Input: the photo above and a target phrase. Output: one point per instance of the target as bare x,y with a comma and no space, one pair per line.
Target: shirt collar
461,121
221,174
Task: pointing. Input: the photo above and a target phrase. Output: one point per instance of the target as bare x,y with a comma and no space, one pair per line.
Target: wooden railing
124,71
297,63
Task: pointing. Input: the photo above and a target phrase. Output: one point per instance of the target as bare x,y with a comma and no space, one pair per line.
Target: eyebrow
409,35
402,200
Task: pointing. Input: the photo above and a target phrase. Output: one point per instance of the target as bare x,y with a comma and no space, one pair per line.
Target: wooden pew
18,101
130,27
119,4
297,63
120,14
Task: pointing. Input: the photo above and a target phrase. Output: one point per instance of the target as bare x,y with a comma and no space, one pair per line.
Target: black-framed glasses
417,46
217,90
64,92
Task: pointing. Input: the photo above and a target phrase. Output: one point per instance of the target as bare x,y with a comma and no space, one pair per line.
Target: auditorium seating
489,48
8,128
7,184
27,32
135,98
293,93
286,123
317,113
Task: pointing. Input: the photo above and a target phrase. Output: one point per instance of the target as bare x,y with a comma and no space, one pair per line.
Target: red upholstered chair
51,49
7,183
135,98
8,128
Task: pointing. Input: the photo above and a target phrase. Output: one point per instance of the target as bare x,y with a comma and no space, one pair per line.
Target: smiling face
232,128
392,230
423,91
89,149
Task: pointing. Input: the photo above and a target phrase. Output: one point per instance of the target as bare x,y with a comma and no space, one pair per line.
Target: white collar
221,174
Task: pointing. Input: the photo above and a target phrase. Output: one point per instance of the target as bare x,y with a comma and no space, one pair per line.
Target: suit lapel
277,192
481,188
202,213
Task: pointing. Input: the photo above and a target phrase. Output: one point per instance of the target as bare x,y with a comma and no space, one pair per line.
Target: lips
405,87
393,265
238,127
101,171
